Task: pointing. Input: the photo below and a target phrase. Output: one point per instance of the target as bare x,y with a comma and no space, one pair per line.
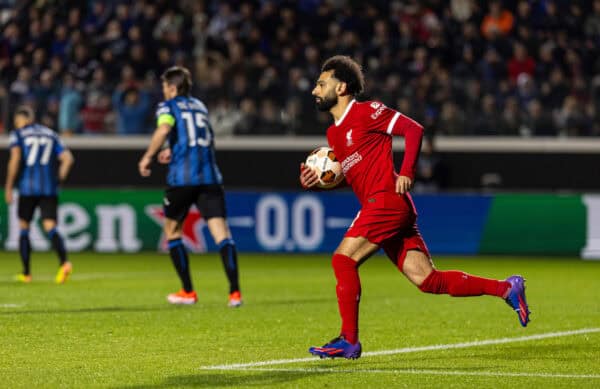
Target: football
323,161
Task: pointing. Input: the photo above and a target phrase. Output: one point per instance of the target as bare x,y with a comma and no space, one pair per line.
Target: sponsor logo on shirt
350,161
380,108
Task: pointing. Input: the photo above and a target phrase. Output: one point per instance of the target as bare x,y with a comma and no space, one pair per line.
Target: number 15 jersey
40,148
191,141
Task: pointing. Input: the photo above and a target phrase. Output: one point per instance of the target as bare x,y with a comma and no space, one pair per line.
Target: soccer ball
323,161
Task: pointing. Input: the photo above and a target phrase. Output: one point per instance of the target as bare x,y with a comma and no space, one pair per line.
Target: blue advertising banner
309,222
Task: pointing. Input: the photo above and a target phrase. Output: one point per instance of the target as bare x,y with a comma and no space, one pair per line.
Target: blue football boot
337,348
516,298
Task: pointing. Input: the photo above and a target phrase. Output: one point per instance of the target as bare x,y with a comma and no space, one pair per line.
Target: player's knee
51,232
341,261
172,229
431,283
226,242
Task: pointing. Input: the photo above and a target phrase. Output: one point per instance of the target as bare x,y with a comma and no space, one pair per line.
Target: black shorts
210,200
28,204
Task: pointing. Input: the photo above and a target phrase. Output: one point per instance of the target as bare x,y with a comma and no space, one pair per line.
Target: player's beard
325,103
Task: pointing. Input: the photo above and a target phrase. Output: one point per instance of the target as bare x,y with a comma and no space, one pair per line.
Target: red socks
459,284
348,294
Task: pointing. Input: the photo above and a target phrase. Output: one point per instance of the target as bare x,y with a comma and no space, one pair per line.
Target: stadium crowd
461,67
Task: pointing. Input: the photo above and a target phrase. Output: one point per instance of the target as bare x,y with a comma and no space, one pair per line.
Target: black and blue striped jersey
191,140
40,148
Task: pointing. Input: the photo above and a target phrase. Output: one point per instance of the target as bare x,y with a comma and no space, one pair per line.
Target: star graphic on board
192,228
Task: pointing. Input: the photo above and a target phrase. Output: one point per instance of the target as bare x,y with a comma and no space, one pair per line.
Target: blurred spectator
572,119
591,25
538,122
451,121
249,121
497,22
512,118
520,63
487,122
69,121
224,117
431,174
269,122
131,105
526,89
95,113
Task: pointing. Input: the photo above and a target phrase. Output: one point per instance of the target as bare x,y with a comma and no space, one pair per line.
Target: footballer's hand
164,157
144,166
8,196
308,177
403,184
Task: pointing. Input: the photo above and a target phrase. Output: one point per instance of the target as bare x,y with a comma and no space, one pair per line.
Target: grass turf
110,325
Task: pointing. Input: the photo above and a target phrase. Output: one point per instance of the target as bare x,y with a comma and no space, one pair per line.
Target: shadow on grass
259,379
148,308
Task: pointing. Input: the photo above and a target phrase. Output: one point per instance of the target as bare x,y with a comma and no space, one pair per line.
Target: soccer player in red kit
361,138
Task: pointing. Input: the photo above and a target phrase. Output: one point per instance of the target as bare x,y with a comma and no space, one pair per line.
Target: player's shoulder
197,104
164,107
46,130
370,111
370,106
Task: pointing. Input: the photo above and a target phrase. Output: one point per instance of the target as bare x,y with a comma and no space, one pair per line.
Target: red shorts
390,221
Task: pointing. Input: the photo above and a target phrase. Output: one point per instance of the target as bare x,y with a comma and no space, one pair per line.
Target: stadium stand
461,67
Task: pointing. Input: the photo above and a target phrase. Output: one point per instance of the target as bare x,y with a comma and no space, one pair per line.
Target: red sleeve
392,122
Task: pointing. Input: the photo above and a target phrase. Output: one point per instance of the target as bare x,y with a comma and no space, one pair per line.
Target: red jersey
362,142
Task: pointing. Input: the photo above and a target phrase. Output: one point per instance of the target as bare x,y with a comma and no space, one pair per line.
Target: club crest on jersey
349,138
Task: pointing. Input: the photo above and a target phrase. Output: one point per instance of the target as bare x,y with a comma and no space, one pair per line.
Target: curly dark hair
346,70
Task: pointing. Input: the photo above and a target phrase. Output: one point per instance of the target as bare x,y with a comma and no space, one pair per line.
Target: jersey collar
337,123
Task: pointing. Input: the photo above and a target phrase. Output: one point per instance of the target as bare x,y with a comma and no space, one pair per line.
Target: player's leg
211,203
177,202
412,258
351,252
222,236
25,208
419,270
48,206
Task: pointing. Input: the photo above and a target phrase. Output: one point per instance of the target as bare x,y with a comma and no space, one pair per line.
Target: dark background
265,170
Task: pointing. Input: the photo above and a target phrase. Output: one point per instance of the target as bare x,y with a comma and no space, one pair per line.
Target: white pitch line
424,372
9,305
477,343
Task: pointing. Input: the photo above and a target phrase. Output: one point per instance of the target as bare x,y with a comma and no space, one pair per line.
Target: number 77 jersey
191,141
40,148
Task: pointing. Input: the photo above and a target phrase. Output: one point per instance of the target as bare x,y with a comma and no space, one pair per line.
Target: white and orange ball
323,161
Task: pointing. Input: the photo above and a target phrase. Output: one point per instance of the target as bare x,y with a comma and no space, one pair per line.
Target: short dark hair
346,70
180,77
26,111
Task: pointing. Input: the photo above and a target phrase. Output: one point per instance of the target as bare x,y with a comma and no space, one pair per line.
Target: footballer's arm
66,160
413,135
11,173
158,139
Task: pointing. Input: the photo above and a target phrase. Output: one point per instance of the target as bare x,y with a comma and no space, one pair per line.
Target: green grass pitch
110,325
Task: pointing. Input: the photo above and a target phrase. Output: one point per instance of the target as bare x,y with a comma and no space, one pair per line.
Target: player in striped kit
193,178
38,162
